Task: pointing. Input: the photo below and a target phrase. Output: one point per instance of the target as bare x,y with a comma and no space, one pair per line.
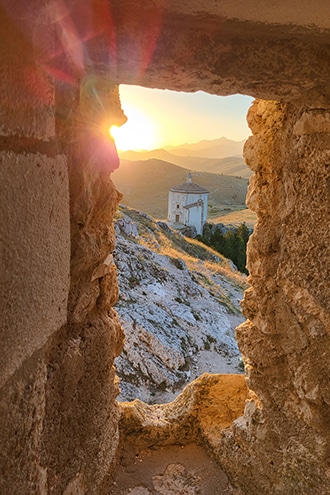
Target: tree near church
230,242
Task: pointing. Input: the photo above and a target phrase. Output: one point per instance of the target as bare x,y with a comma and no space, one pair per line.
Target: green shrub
231,244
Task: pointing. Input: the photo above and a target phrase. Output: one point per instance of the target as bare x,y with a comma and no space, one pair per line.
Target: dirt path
171,470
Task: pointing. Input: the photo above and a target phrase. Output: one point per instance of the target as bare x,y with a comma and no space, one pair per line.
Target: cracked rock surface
179,306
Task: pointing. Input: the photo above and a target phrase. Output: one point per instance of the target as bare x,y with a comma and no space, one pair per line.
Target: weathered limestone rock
82,438
205,407
282,443
178,312
273,51
168,434
59,334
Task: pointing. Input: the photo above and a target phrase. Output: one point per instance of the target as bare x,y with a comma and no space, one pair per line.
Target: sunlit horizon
162,118
139,132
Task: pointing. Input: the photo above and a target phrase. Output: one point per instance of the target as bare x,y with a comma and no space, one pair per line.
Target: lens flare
139,132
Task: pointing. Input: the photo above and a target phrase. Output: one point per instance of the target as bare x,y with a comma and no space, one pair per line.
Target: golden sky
158,118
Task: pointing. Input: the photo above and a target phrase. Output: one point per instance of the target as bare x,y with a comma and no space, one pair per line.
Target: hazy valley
220,156
145,178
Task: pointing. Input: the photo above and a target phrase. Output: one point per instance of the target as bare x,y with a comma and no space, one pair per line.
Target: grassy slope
145,185
230,165
191,251
235,218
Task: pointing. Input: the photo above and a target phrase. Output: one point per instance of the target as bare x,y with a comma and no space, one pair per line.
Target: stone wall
35,252
59,334
282,443
272,51
80,435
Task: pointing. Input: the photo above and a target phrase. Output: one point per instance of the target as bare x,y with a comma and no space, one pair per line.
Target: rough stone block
35,254
26,73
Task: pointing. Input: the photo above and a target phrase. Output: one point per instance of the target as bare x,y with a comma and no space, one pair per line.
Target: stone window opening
160,377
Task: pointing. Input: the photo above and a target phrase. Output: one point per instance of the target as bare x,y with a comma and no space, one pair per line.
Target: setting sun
138,133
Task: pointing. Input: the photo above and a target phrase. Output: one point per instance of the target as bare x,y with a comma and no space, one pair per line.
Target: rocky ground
165,449
172,470
179,306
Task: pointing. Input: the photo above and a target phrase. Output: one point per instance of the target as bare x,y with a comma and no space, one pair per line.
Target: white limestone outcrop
179,313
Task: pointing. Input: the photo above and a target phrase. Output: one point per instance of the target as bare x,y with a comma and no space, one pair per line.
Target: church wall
175,199
198,218
195,218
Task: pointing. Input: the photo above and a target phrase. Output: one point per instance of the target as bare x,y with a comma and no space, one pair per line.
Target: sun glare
138,133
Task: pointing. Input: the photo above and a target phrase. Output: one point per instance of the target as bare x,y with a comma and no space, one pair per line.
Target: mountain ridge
222,156
208,143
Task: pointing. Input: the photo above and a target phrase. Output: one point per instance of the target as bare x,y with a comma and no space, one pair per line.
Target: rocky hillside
179,306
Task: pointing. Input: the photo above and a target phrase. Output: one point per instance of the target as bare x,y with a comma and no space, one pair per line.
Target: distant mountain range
219,156
214,148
